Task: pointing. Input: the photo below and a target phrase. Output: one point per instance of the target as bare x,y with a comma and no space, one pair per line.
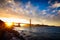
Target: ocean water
44,32
46,29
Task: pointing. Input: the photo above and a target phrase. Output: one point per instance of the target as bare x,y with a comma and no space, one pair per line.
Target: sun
9,24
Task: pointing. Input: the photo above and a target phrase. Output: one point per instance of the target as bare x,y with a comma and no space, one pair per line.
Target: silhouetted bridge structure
18,24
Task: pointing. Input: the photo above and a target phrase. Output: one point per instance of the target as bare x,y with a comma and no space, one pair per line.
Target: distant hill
38,25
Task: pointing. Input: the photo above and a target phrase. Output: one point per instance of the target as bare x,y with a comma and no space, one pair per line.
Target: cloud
59,12
18,10
49,2
43,12
56,5
26,10
2,1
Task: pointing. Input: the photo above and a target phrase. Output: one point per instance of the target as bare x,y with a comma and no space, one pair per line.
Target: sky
45,12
